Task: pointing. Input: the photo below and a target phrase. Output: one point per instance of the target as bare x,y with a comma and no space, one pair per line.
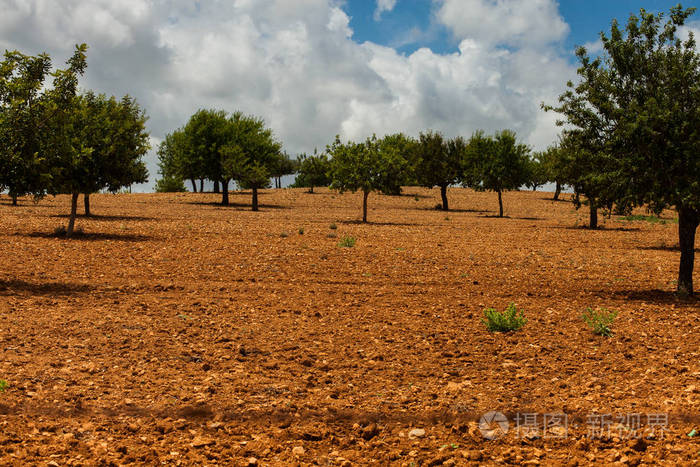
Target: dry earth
175,331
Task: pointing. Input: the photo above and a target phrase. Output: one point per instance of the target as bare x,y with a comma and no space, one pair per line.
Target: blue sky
414,18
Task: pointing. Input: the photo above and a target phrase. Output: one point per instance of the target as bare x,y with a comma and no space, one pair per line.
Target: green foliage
635,107
250,153
3,385
403,173
365,167
333,226
347,242
496,163
313,171
504,321
600,320
38,150
114,134
439,162
170,184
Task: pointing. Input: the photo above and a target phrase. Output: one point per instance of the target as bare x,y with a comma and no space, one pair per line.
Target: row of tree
55,140
497,163
222,148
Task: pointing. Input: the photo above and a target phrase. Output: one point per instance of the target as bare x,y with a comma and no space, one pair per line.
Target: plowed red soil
175,331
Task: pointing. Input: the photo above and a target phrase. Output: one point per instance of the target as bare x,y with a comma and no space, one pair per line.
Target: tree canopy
368,166
639,102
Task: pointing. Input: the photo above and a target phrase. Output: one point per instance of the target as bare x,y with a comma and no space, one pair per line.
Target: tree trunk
365,195
224,192
216,186
311,190
557,191
443,194
87,205
14,199
255,198
73,212
194,185
500,203
688,220
593,224
201,185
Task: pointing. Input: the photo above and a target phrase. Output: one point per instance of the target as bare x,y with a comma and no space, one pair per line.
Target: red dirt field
175,331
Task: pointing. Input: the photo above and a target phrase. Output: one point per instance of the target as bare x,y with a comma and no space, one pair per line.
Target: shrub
301,231
170,185
347,242
333,226
504,321
3,385
284,235
600,320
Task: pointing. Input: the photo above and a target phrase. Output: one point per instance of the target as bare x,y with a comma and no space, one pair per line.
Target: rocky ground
176,331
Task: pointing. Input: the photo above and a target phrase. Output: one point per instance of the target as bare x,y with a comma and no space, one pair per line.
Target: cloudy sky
316,68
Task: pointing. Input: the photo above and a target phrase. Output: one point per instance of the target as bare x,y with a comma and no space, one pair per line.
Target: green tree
41,152
313,171
550,168
283,165
585,167
642,94
171,152
404,147
497,163
249,153
23,112
205,134
114,131
439,162
364,167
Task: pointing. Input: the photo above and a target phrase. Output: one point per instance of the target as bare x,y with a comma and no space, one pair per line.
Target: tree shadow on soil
100,217
88,237
236,206
674,248
601,229
371,223
46,288
446,212
495,216
656,296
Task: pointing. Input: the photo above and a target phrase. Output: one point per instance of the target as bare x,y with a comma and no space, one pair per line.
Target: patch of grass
333,226
3,385
332,235
599,320
509,320
284,235
347,242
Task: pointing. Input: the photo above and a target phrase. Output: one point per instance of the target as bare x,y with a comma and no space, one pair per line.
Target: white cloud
294,63
510,22
382,6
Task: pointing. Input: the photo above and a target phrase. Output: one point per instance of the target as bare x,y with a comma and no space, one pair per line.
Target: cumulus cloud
295,63
382,6
511,22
